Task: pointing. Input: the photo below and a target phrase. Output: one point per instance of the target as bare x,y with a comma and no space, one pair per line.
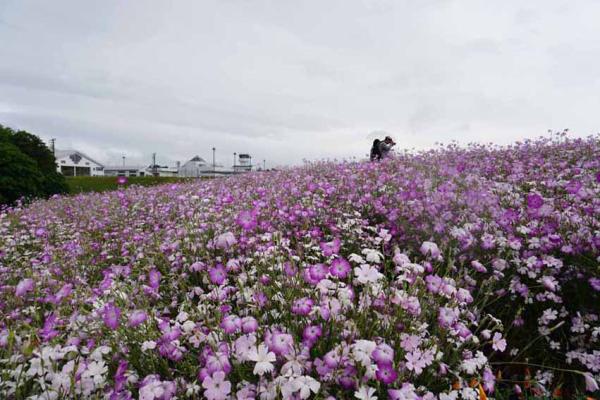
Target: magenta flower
217,274
386,373
318,272
121,180
340,268
48,331
26,285
281,343
383,354
330,248
534,201
111,315
312,333
247,220
231,324
302,306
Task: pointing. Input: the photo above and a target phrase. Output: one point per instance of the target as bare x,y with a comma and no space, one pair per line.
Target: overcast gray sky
292,80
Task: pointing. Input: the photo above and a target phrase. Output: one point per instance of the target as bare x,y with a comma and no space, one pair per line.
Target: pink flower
249,325
498,343
216,387
590,383
136,318
415,362
431,249
410,342
26,285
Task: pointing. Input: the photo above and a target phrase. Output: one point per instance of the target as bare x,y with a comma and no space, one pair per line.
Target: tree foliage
27,167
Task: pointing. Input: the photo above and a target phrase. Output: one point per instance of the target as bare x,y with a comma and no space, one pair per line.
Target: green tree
40,180
19,174
31,145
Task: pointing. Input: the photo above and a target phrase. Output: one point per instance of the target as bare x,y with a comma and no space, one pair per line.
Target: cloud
292,80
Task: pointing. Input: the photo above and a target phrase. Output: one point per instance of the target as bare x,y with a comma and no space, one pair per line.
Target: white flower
366,274
192,389
365,393
148,345
95,371
373,256
469,394
61,383
453,395
356,258
263,359
361,351
548,315
306,384
151,391
188,326
182,316
35,367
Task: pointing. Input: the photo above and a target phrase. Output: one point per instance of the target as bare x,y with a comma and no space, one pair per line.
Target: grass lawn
83,184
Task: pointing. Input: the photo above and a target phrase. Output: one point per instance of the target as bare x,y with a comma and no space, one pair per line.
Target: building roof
198,159
65,153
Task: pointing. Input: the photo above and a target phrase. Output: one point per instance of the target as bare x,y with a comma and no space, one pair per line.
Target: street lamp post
234,154
264,165
123,159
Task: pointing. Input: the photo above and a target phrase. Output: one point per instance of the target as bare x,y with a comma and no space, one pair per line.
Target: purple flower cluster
406,279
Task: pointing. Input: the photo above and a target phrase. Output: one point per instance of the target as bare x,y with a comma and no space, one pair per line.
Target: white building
125,170
139,170
195,167
76,163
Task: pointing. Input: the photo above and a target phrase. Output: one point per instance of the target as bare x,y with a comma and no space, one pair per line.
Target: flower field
456,273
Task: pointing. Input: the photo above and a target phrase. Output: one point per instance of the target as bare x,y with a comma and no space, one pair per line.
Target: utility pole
52,141
264,164
153,164
214,166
